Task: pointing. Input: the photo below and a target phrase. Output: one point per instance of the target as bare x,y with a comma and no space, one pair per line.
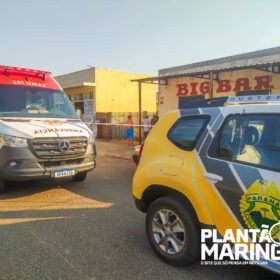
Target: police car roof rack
253,100
233,100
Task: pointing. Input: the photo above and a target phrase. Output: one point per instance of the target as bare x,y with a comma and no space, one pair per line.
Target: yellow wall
168,99
116,93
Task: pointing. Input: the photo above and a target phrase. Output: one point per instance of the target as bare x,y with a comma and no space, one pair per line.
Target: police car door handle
213,178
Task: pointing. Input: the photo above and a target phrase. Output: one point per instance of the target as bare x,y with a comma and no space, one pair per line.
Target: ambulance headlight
91,139
12,141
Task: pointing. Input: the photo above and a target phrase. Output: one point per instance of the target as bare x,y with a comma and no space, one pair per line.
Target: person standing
147,125
154,119
129,133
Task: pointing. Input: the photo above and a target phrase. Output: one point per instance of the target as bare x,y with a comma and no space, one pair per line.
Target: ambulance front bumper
21,164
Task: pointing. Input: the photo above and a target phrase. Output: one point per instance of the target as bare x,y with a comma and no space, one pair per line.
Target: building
106,95
245,74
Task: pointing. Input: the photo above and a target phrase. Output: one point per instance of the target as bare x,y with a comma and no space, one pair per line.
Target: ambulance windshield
33,102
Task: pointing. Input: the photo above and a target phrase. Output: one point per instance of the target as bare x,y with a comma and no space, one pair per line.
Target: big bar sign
224,86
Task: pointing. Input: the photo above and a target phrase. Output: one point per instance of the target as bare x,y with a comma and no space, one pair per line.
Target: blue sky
139,36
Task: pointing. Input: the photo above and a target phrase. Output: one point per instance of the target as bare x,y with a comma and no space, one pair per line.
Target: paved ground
89,230
116,149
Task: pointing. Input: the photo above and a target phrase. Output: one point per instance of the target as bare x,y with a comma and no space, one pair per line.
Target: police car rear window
186,131
252,139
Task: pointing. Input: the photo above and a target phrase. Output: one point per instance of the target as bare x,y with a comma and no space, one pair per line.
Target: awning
83,84
271,67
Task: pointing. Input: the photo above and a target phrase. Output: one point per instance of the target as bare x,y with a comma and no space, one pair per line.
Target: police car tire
79,177
2,186
191,249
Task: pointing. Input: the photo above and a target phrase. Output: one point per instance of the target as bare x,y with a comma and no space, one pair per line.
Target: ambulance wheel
79,177
2,186
173,231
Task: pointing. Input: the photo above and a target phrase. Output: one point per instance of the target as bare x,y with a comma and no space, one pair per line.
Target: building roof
84,77
261,57
87,77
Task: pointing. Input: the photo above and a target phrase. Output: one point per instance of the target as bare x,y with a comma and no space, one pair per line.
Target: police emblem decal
260,205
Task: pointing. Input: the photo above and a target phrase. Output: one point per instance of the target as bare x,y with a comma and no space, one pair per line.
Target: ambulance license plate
64,173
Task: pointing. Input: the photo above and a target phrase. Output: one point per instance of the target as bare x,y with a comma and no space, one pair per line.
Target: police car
214,165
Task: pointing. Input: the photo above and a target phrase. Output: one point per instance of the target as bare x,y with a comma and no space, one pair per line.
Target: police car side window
186,131
252,139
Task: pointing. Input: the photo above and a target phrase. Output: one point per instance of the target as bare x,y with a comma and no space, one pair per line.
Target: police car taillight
140,152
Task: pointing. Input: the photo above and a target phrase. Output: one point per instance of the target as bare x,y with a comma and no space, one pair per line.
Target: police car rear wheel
172,231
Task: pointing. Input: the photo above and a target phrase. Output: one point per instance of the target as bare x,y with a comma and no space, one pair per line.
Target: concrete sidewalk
115,149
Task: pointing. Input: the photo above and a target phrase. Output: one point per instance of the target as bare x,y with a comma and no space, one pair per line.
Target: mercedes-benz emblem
64,146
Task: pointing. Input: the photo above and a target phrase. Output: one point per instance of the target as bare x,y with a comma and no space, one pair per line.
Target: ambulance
40,133
213,167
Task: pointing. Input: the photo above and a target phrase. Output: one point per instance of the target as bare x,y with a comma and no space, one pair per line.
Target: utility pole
211,85
140,110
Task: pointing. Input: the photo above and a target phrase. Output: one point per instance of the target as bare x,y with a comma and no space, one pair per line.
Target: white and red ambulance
40,133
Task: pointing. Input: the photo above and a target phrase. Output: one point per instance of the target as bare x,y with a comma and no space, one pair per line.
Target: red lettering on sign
182,89
205,87
263,82
193,89
223,86
242,84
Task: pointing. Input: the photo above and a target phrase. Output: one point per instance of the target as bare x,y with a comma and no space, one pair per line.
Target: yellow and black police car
198,167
